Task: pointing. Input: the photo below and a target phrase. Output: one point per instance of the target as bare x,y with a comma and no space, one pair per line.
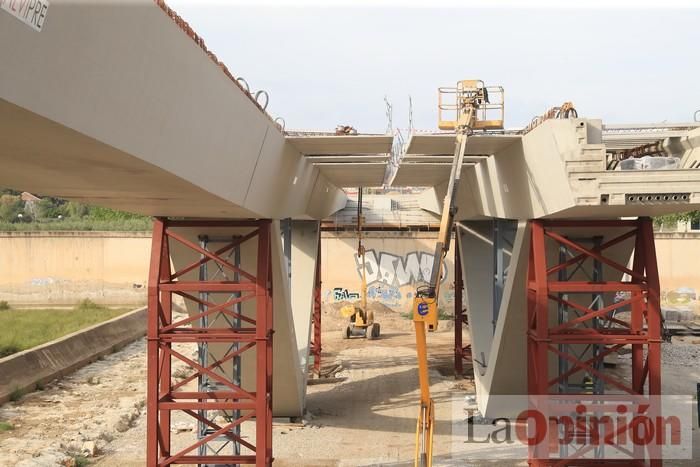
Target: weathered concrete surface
24,370
62,268
305,237
136,116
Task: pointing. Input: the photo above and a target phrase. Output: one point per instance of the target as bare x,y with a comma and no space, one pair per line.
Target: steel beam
316,315
462,352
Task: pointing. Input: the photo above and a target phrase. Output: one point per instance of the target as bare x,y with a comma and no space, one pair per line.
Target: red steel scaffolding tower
239,297
591,324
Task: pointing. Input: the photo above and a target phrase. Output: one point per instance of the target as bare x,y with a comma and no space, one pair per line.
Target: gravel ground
365,417
681,352
78,415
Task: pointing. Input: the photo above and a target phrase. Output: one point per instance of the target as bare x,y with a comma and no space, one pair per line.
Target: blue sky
326,66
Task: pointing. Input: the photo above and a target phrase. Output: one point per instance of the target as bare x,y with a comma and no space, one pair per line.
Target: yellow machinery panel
347,311
425,309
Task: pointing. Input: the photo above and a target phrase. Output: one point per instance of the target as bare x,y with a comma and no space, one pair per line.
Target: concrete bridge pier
248,315
547,310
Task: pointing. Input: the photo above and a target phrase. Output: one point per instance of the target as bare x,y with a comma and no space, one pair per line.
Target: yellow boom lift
362,322
475,107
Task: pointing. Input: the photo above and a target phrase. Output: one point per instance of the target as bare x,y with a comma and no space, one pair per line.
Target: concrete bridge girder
113,104
558,170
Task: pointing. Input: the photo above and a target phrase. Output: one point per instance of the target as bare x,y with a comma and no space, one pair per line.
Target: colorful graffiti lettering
384,293
396,271
340,294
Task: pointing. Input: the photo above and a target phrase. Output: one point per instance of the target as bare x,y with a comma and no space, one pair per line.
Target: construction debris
345,130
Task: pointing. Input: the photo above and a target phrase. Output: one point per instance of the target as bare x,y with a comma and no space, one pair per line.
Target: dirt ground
366,416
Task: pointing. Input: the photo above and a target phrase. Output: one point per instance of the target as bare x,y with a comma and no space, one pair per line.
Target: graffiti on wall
340,294
386,294
396,271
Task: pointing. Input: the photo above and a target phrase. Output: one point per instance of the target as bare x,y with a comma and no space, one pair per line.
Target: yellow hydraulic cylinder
426,414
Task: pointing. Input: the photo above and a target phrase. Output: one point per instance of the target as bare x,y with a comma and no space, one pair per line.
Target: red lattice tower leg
165,394
550,286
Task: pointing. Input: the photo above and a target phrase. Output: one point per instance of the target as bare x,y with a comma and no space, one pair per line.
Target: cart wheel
346,333
376,329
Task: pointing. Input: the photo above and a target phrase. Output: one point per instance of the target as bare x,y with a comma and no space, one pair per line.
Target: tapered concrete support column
290,372
304,248
498,352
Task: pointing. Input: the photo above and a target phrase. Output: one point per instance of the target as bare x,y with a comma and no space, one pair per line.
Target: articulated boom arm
449,209
472,96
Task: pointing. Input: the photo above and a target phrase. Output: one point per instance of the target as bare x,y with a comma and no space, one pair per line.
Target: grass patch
6,426
127,225
24,329
4,306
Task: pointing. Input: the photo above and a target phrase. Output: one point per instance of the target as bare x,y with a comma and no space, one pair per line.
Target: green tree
11,206
50,208
673,219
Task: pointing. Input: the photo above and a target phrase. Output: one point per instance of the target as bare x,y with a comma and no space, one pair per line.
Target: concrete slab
334,145
424,173
353,174
444,143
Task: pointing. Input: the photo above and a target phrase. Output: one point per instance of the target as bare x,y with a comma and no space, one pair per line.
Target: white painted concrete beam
113,104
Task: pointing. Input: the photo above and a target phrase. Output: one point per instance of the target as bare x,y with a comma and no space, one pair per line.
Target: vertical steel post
316,344
263,337
166,312
459,350
498,269
152,417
